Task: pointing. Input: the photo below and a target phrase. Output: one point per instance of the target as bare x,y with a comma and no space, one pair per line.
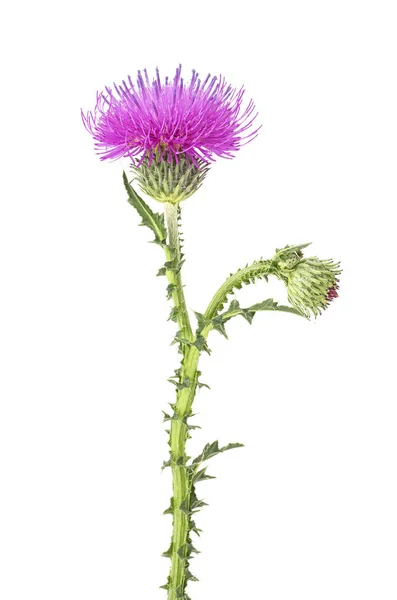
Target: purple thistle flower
199,119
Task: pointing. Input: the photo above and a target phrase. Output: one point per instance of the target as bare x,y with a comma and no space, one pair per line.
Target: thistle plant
172,131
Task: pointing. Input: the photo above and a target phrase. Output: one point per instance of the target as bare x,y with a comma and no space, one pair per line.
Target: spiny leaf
181,340
218,325
189,576
201,476
170,509
166,585
186,550
199,342
193,527
184,507
170,290
154,221
201,385
180,385
198,504
235,309
174,314
193,426
168,553
201,322
213,449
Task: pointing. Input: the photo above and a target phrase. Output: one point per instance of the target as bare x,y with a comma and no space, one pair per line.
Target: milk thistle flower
172,131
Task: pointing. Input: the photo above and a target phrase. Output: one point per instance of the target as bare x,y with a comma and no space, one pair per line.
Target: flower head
168,118
311,283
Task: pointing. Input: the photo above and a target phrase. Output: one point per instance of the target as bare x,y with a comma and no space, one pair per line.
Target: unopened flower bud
311,283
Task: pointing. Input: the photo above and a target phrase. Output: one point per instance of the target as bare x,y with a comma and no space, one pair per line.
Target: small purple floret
201,119
332,292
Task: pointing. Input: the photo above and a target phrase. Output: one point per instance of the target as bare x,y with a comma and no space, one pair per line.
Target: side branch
258,270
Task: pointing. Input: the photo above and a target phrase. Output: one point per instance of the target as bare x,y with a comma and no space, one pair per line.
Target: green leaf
218,325
186,550
180,385
201,322
199,342
197,504
170,509
168,553
235,309
154,221
166,585
189,576
184,507
201,476
213,449
193,527
201,385
171,287
167,417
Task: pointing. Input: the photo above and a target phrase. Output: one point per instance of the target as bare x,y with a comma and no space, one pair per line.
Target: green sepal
154,221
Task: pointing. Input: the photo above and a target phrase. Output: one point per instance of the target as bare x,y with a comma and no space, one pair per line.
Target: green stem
179,430
247,274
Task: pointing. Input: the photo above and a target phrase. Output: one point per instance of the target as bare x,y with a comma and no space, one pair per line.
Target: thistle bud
311,283
171,179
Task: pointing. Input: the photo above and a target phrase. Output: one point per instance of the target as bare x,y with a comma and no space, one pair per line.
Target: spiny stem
173,253
248,274
179,431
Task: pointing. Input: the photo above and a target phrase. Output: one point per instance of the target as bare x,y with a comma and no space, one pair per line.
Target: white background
307,510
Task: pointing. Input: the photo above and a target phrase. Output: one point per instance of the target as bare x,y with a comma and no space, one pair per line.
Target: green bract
172,180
